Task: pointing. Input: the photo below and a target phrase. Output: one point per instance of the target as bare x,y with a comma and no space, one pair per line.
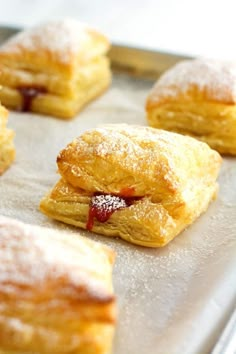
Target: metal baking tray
175,300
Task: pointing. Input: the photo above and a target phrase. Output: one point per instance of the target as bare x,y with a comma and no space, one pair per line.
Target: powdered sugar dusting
126,139
102,207
217,79
31,256
162,293
61,37
139,157
108,203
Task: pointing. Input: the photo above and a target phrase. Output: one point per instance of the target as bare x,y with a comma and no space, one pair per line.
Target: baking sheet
142,62
171,300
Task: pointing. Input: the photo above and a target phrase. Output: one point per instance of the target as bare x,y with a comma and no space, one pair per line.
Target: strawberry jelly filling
102,206
28,94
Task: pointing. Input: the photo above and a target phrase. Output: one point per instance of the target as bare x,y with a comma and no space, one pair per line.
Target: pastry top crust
53,47
137,161
61,271
198,79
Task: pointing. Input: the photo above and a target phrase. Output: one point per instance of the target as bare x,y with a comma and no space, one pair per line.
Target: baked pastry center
197,98
54,68
102,206
141,184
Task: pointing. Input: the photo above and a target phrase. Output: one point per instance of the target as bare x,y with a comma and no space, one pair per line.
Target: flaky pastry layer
172,179
197,98
59,46
55,292
7,149
57,84
64,62
144,223
61,106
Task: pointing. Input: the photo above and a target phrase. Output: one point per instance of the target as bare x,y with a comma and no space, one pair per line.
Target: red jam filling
127,192
28,94
102,206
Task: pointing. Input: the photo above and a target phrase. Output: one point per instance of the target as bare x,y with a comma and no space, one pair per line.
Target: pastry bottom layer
57,105
18,337
211,122
7,150
143,223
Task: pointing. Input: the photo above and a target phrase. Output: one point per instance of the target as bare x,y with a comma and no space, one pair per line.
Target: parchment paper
171,300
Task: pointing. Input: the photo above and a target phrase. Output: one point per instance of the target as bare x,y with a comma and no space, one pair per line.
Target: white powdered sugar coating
161,292
139,157
136,147
129,141
217,79
31,256
61,37
107,203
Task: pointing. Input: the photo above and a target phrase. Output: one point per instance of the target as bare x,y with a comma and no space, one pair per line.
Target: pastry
7,149
55,292
55,68
197,98
142,184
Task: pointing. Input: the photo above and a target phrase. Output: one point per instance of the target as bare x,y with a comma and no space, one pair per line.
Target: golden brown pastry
197,98
141,184
55,68
55,292
7,149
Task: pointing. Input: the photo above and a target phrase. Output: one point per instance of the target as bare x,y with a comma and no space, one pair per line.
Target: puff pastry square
7,149
142,184
55,292
197,98
55,68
